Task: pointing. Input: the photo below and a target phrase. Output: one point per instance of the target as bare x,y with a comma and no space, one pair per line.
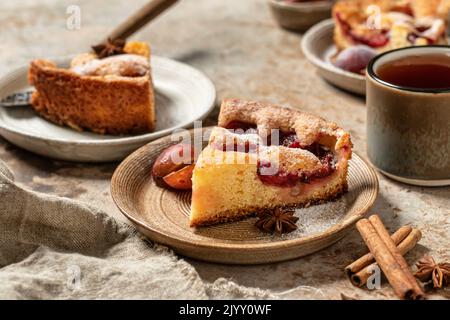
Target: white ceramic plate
318,47
183,95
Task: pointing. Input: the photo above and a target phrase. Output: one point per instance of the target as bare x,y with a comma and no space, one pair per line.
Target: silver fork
18,99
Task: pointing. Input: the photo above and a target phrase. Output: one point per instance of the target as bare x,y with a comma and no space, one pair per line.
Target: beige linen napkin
57,248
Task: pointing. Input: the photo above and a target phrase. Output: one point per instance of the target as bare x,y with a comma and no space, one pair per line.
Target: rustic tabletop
240,47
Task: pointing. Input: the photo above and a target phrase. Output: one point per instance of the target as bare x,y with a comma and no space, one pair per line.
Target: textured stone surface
239,46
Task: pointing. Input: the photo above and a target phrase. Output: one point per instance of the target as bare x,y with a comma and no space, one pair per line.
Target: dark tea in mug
429,71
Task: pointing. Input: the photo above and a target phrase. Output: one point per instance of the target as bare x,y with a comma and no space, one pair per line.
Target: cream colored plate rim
209,92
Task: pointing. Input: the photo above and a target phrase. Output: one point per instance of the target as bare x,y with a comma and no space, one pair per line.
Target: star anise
277,221
430,271
110,48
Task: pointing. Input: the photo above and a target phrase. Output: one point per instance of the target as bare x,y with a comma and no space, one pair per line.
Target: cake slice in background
366,28
107,92
388,24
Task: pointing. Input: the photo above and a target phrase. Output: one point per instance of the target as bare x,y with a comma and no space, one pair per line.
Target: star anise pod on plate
278,221
109,48
430,271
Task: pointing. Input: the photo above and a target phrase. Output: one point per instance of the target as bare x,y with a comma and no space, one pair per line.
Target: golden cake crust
111,98
308,127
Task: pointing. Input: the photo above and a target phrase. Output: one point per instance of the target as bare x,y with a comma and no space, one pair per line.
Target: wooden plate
163,215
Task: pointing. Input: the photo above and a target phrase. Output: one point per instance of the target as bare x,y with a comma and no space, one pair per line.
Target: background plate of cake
229,195
342,47
102,105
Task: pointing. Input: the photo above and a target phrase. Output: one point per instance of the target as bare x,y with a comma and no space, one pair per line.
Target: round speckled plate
163,215
183,95
318,47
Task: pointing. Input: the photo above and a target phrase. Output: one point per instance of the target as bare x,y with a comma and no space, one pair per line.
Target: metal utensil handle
143,16
17,99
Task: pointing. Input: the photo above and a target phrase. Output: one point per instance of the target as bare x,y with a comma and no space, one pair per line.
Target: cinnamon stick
369,259
384,235
389,258
360,277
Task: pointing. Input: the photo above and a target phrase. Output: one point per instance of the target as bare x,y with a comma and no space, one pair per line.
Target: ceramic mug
408,129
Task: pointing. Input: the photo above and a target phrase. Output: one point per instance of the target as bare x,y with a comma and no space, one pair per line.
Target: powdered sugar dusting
319,218
312,220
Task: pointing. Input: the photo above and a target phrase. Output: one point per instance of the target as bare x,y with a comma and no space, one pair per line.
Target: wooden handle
147,13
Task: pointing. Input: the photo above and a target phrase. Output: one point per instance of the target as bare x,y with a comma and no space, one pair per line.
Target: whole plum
355,59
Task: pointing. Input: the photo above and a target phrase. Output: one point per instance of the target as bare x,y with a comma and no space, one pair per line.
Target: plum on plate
355,59
181,179
171,160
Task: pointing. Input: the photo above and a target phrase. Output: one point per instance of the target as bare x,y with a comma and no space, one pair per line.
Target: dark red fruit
283,179
280,179
376,39
290,140
181,179
355,59
239,125
170,160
